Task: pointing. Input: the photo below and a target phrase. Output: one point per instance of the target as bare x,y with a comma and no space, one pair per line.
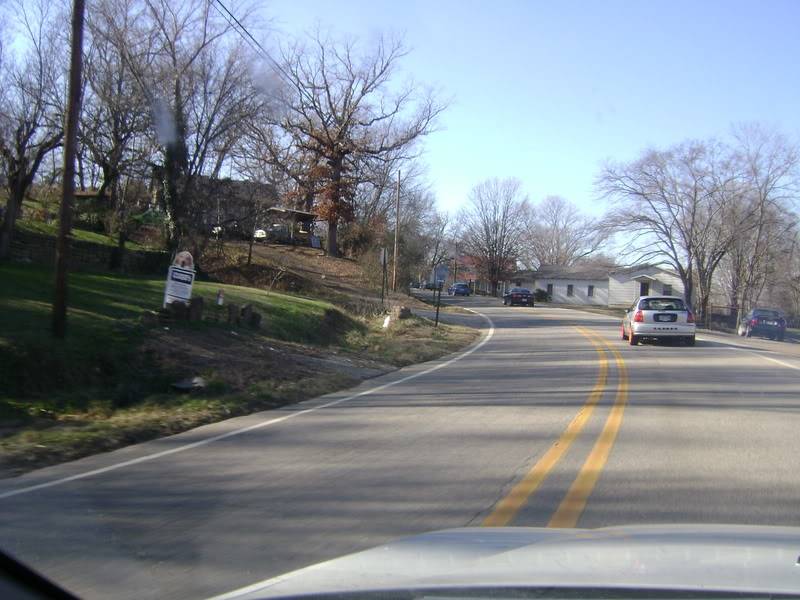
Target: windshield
285,281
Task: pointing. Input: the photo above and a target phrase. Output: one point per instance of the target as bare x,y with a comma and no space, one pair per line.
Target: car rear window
769,314
662,304
520,291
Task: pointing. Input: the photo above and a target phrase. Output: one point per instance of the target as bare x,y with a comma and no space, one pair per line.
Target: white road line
262,424
750,350
775,360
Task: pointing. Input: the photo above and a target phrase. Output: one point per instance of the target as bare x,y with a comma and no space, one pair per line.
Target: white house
625,285
600,286
566,285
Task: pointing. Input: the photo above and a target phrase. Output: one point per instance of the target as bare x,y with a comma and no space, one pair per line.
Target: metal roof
292,211
585,273
561,272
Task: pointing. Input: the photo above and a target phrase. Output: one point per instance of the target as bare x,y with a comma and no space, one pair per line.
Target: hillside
112,381
300,269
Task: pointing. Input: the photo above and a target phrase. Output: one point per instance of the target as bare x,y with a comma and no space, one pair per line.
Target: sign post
438,302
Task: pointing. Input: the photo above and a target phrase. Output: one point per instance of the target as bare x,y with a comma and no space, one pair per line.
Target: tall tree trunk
12,212
333,243
337,165
704,300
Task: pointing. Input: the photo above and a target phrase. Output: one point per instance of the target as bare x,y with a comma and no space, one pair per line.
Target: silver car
658,317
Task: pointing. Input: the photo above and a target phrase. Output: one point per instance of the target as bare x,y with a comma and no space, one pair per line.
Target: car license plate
773,323
666,318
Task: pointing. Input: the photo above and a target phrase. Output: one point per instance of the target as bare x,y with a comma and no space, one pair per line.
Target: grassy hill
81,235
109,383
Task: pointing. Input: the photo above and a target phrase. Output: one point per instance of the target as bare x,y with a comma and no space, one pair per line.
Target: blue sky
547,91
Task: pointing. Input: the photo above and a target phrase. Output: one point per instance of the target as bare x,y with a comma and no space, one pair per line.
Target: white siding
580,289
623,288
620,289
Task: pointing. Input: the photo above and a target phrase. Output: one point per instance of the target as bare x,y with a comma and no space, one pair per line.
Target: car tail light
754,322
689,317
638,317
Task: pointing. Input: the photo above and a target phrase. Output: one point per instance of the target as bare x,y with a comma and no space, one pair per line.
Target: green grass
97,389
104,330
98,302
81,235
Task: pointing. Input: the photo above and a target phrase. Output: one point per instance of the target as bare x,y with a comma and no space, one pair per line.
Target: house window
666,290
590,291
550,290
644,288
570,289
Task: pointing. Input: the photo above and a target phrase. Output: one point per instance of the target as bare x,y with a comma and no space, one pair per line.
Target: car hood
675,557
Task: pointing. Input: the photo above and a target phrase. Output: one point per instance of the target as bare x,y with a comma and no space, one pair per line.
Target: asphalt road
550,420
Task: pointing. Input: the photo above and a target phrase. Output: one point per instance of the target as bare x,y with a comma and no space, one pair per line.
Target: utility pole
455,264
68,182
396,231
384,286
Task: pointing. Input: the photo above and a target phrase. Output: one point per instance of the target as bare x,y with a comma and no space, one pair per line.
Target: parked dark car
519,296
763,321
459,289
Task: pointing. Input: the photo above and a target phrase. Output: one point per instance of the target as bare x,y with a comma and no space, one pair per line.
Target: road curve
550,420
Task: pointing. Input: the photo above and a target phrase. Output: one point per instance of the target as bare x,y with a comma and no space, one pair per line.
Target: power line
242,30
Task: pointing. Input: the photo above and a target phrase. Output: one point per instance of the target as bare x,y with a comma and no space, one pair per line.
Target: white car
658,317
259,235
645,561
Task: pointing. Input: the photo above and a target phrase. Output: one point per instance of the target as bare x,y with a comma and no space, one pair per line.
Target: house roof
635,268
293,212
587,272
562,272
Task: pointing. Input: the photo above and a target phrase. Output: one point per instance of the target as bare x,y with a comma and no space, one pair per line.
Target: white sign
384,257
179,285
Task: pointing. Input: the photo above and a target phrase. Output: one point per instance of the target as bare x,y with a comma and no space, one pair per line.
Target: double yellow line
573,504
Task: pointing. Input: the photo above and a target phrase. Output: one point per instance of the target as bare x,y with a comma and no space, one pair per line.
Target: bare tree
768,165
116,117
439,245
193,70
374,198
423,239
493,227
338,111
669,207
31,111
561,235
265,147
